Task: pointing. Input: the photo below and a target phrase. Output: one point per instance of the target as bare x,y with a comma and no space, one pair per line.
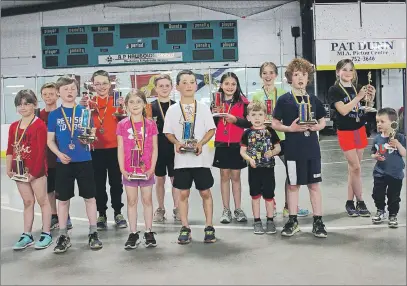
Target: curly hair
299,64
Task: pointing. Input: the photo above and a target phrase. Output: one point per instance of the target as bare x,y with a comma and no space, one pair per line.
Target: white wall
392,82
258,34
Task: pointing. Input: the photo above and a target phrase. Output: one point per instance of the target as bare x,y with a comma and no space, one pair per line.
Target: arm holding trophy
370,95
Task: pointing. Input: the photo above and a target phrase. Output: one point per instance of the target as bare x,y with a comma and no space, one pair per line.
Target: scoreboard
139,43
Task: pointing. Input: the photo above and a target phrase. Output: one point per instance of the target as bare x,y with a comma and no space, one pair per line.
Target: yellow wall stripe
365,66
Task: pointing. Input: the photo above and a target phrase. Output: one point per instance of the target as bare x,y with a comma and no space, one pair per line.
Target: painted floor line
231,227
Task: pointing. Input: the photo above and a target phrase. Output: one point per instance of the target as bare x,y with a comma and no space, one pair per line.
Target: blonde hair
343,63
256,106
160,77
48,85
270,64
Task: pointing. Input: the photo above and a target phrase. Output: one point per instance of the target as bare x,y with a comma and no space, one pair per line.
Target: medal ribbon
70,127
17,142
268,97
101,120
161,109
228,111
140,145
350,98
302,97
185,117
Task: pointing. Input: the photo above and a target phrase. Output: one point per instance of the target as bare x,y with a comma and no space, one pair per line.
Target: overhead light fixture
15,85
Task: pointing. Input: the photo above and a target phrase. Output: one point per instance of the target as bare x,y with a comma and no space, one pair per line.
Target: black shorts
228,158
51,180
202,177
66,175
262,183
304,172
165,162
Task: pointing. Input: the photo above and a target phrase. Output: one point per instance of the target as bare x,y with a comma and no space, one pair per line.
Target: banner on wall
365,53
145,83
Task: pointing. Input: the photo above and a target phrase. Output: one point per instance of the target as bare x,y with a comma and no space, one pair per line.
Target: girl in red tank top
229,132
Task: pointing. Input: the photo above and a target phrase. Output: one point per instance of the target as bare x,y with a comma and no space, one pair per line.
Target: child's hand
230,118
394,143
294,127
30,178
178,146
10,174
65,159
83,141
84,101
252,163
216,109
125,174
150,173
314,127
269,154
378,157
198,149
362,93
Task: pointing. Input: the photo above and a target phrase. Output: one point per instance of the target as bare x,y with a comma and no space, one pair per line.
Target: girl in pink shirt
137,152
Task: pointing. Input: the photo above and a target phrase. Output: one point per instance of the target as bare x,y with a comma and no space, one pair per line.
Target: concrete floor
355,252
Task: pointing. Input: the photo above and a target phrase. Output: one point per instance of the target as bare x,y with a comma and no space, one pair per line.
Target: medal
101,130
71,126
161,110
307,133
102,119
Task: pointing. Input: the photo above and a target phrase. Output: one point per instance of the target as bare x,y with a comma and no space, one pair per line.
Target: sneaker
54,222
318,228
226,216
133,241
393,221
120,221
270,227
25,241
290,228
209,234
94,241
149,239
63,243
362,209
302,212
159,215
44,241
286,213
69,223
379,217
258,227
101,223
350,209
184,235
175,214
240,215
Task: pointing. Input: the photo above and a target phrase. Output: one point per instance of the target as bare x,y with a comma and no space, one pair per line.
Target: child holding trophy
106,114
269,95
74,162
300,116
259,145
26,163
228,134
50,97
389,148
192,122
137,154
345,97
165,161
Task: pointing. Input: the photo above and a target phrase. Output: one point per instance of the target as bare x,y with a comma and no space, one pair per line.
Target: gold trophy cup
368,102
394,126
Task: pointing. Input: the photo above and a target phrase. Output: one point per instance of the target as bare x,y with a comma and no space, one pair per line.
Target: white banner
139,58
381,52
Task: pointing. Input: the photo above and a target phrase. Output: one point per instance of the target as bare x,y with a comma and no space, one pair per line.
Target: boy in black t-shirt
259,145
302,152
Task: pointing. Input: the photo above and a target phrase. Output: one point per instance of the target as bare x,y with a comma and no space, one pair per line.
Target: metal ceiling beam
65,4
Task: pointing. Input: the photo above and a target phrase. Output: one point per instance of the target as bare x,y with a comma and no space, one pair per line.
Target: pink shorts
139,183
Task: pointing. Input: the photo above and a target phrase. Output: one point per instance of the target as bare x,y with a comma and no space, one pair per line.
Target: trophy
116,96
394,126
18,167
369,103
138,172
87,134
269,111
304,111
188,138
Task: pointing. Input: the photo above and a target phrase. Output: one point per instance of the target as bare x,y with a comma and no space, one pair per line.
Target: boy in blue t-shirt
302,152
74,162
389,148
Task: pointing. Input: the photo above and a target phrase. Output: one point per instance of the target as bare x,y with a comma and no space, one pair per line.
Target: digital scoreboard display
139,43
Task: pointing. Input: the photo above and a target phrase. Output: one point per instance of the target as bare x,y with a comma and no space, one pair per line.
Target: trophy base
369,109
219,114
137,176
267,122
87,138
189,146
20,178
311,122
